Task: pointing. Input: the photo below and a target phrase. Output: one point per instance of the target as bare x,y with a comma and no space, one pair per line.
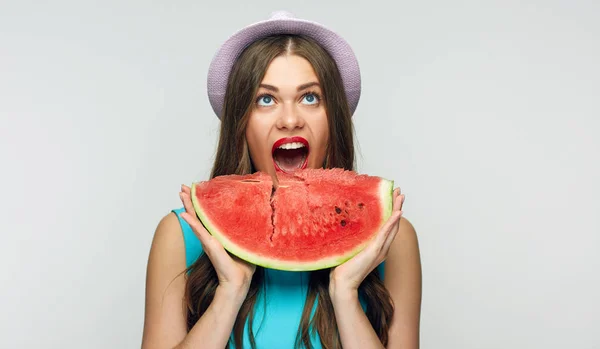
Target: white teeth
293,145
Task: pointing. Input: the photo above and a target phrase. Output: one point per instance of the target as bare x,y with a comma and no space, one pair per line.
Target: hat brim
334,44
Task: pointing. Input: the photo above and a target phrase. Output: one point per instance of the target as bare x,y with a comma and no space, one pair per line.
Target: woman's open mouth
290,154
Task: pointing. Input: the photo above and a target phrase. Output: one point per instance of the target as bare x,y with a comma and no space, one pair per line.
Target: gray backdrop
484,112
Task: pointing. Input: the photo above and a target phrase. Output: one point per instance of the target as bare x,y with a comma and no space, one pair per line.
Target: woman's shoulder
176,236
406,241
168,239
168,225
406,227
165,283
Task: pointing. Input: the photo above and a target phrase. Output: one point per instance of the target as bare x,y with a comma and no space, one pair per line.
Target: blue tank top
278,310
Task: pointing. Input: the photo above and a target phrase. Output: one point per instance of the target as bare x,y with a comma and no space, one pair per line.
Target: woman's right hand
234,274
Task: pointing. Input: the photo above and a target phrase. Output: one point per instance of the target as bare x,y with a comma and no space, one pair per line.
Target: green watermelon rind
386,195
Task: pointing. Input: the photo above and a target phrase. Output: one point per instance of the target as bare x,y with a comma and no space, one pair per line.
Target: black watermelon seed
343,223
338,210
361,205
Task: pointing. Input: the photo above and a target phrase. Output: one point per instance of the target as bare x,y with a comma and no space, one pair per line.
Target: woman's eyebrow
307,85
300,88
269,87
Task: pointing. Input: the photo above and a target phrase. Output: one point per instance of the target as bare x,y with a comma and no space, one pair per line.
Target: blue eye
311,98
265,100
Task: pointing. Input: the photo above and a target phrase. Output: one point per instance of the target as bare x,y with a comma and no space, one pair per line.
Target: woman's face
287,127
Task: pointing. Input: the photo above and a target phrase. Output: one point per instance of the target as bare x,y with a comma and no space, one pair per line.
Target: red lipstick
286,140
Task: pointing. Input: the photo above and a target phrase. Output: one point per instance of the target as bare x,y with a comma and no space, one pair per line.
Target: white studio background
486,113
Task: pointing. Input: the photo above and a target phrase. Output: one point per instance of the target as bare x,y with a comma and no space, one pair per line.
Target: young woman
272,81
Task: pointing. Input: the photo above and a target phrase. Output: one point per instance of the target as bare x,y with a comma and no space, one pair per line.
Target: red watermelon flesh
316,219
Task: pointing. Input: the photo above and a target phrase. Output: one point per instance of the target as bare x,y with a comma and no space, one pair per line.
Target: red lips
289,140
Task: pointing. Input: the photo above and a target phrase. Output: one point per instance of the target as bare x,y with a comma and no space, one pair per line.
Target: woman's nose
290,117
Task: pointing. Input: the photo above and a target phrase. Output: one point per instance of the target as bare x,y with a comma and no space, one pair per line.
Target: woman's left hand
345,278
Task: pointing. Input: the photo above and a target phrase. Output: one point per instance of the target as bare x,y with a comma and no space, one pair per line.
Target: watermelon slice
316,219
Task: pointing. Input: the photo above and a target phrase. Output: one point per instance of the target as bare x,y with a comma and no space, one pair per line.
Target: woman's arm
213,329
352,322
165,314
403,281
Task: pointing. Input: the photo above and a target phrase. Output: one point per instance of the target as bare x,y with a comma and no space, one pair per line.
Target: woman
273,80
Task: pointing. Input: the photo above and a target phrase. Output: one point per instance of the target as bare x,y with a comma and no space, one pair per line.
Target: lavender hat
282,22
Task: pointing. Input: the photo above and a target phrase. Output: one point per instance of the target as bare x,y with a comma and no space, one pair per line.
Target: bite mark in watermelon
316,219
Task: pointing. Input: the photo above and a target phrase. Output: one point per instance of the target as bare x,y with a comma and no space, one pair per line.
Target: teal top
275,325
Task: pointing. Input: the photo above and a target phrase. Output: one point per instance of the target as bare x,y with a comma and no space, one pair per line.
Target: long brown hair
232,157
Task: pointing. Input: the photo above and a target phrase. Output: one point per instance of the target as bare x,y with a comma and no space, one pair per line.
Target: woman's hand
234,274
345,278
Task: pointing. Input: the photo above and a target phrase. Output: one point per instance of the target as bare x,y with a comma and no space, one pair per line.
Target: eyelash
314,93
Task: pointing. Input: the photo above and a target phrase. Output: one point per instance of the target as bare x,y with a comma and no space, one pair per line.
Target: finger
401,198
189,207
389,239
187,203
185,189
384,231
372,253
205,237
197,227
398,200
210,245
395,195
398,205
218,256
397,208
190,217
